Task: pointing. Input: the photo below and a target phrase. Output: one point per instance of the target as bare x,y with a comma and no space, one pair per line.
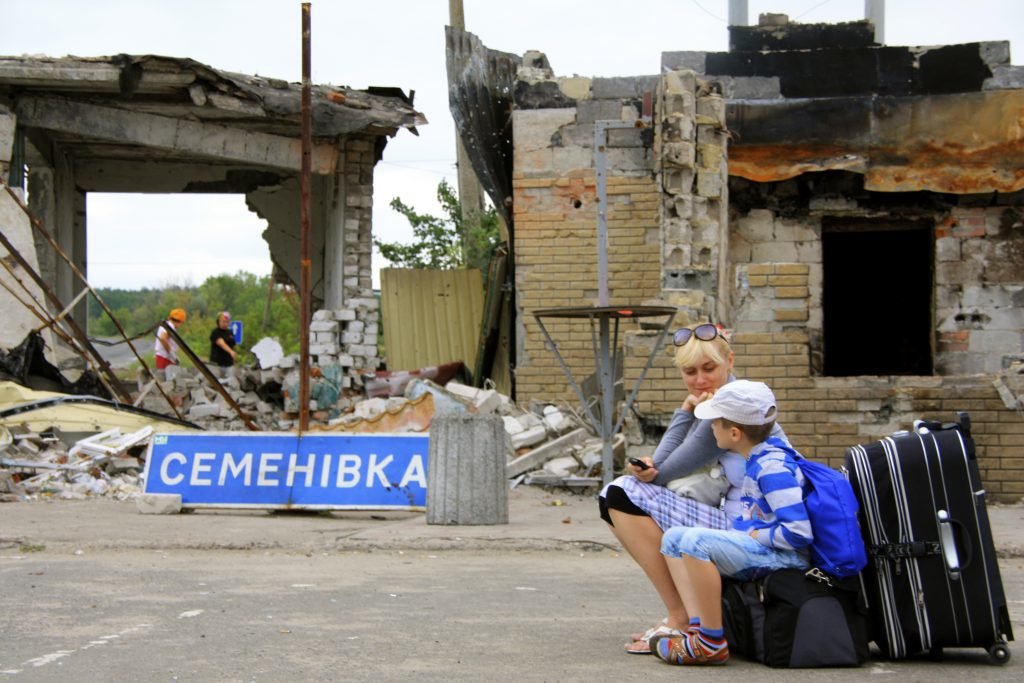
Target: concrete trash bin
466,481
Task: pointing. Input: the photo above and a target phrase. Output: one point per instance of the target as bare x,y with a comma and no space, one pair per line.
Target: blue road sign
284,470
236,329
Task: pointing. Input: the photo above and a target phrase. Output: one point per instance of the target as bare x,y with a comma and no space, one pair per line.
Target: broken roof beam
175,135
964,143
92,76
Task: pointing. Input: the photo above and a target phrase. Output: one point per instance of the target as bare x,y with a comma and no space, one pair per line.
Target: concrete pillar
334,242
739,15
466,481
874,11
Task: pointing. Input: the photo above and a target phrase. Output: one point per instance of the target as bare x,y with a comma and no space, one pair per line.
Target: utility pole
739,14
304,210
471,197
874,11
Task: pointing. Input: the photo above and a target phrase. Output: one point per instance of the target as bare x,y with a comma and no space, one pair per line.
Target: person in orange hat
165,351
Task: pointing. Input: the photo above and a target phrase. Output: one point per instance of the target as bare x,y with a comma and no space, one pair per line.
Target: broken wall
14,223
760,270
556,212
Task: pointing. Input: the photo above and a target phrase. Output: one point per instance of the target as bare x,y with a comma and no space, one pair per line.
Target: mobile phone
637,462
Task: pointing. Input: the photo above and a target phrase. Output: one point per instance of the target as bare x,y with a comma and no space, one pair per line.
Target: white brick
158,503
324,325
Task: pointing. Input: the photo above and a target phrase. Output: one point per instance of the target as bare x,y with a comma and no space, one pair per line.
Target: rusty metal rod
79,334
38,226
304,263
38,309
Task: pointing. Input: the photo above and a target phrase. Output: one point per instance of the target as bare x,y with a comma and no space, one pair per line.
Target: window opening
877,298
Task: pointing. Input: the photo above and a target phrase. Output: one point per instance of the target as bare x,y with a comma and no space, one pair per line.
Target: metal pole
738,13
874,11
304,264
607,379
601,164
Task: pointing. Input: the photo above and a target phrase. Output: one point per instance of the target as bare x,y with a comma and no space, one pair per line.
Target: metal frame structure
604,342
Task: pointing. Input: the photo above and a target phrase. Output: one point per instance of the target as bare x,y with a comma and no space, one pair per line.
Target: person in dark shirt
222,345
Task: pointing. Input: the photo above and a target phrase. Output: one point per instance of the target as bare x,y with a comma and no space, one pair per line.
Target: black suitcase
932,579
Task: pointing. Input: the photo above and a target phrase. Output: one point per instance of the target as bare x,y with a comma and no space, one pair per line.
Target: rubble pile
547,445
34,465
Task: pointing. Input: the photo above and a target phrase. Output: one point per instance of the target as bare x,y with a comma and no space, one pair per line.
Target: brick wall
359,159
760,273
556,219
556,267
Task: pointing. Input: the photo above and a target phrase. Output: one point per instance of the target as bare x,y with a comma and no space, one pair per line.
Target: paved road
94,591
217,615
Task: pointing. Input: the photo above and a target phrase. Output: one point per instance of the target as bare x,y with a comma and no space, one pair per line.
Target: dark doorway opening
877,298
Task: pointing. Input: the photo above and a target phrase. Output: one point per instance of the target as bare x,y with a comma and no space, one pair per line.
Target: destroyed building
852,211
145,123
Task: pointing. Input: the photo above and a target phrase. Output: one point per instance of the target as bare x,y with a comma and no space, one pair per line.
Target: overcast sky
398,43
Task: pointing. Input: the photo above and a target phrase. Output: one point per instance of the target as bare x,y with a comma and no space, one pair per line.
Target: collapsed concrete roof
157,124
115,112
816,97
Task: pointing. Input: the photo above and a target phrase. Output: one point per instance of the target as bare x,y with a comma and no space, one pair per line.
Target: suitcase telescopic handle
948,528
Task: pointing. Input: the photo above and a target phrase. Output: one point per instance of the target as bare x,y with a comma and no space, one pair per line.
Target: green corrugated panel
430,317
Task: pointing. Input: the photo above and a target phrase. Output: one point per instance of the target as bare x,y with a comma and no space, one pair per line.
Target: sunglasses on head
704,332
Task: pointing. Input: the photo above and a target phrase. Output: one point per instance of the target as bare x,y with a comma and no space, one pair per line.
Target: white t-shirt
159,349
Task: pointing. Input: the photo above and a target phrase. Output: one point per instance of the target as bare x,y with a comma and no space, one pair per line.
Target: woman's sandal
661,631
646,635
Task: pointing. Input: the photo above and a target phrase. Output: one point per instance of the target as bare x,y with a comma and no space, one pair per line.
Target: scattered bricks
368,304
362,350
203,410
122,464
158,503
324,325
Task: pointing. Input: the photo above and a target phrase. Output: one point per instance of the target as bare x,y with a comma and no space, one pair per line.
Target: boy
772,533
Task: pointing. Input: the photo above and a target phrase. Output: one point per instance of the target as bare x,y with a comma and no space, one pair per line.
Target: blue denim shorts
736,554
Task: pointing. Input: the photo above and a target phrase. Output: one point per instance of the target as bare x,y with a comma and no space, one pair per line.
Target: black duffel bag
796,619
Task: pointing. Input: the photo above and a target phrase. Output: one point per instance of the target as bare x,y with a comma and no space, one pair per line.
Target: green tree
443,243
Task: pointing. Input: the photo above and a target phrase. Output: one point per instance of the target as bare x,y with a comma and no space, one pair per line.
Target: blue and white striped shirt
773,500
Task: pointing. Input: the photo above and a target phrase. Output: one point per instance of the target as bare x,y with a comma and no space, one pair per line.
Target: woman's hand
644,475
693,400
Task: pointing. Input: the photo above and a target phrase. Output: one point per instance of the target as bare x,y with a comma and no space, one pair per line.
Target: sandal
660,631
646,635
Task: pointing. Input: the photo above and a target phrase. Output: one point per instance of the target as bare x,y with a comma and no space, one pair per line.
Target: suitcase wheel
999,653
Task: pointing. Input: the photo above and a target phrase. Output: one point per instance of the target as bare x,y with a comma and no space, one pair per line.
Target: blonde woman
638,506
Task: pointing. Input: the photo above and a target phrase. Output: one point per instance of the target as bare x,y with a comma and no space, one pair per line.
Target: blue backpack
838,547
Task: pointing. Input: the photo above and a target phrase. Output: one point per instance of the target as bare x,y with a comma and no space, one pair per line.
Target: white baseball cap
740,401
